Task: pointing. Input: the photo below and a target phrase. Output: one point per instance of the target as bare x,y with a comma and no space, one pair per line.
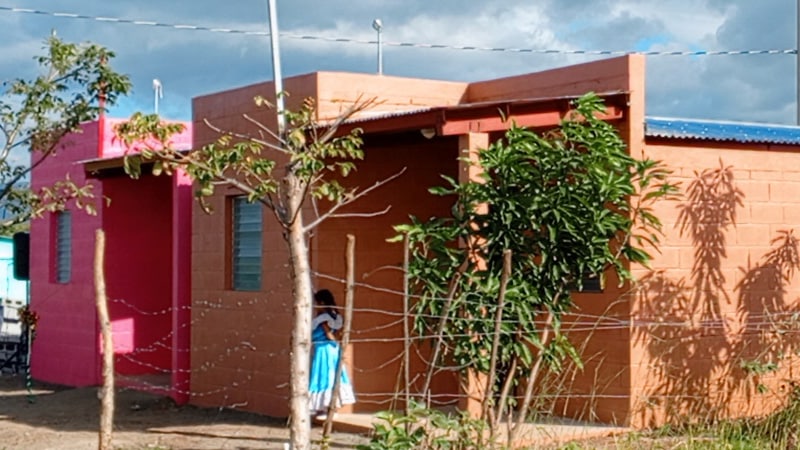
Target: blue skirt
323,372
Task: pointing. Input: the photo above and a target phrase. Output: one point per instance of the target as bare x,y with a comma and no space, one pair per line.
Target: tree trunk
107,391
301,332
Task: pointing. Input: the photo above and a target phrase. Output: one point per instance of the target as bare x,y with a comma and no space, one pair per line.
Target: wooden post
348,319
406,329
107,390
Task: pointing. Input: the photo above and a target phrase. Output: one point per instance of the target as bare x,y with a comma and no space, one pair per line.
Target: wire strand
419,45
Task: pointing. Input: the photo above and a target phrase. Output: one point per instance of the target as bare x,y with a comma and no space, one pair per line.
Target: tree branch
15,179
353,109
265,200
246,137
264,128
351,199
369,214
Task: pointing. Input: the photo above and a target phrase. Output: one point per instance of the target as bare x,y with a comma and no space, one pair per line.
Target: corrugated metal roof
375,115
366,116
713,130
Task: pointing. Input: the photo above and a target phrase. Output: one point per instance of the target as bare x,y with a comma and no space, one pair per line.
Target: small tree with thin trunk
283,172
549,211
36,115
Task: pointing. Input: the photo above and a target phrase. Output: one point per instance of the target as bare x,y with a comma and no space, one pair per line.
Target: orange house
707,329
688,338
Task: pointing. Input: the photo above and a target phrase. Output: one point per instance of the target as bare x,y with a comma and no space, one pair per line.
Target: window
63,247
592,283
246,248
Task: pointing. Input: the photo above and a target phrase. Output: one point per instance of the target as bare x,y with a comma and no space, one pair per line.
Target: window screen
246,249
63,246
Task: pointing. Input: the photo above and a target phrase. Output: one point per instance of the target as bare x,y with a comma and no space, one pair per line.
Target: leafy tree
76,84
283,171
563,205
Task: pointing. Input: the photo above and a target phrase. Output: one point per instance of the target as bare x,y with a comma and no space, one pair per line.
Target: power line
306,37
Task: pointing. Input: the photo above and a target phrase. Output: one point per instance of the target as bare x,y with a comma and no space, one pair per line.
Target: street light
377,25
158,92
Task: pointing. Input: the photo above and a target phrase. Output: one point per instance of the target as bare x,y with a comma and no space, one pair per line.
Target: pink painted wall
111,146
138,225
148,235
65,350
182,202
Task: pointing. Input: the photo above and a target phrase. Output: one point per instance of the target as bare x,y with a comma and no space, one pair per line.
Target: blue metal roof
712,130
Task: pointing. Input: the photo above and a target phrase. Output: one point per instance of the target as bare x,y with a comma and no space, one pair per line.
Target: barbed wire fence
671,347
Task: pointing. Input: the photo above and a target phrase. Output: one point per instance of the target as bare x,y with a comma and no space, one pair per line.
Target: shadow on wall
709,357
769,338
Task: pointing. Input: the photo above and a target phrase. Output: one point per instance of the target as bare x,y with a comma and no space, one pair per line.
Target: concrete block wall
599,391
139,272
333,93
66,348
224,319
375,357
724,288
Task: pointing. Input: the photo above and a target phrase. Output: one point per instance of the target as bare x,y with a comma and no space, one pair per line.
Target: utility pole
276,65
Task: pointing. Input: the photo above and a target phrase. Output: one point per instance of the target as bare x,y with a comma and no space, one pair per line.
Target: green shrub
429,429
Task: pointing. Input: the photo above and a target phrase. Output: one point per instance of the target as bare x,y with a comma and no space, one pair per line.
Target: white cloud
192,63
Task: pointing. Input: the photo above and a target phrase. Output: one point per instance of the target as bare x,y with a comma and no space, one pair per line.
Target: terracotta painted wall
263,319
66,347
601,390
338,90
239,340
716,298
612,74
255,326
333,93
375,355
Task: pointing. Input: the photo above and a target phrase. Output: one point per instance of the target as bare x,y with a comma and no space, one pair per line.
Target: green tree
282,171
563,205
76,83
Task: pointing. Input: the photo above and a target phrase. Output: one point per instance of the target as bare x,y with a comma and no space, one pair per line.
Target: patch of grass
780,430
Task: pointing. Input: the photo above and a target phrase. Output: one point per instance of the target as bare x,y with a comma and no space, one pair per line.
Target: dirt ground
67,419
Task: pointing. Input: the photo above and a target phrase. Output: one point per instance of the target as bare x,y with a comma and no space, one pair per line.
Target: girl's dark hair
325,298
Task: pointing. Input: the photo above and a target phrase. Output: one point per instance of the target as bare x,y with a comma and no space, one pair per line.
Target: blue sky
758,88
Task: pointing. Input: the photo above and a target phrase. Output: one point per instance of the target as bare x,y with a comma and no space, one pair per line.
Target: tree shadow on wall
682,325
769,324
706,216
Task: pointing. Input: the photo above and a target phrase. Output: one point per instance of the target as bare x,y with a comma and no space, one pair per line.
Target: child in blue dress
326,356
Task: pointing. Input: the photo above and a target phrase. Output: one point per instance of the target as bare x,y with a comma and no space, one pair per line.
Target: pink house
148,230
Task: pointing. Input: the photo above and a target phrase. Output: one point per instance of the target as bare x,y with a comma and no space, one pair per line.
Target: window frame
62,247
593,283
254,225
